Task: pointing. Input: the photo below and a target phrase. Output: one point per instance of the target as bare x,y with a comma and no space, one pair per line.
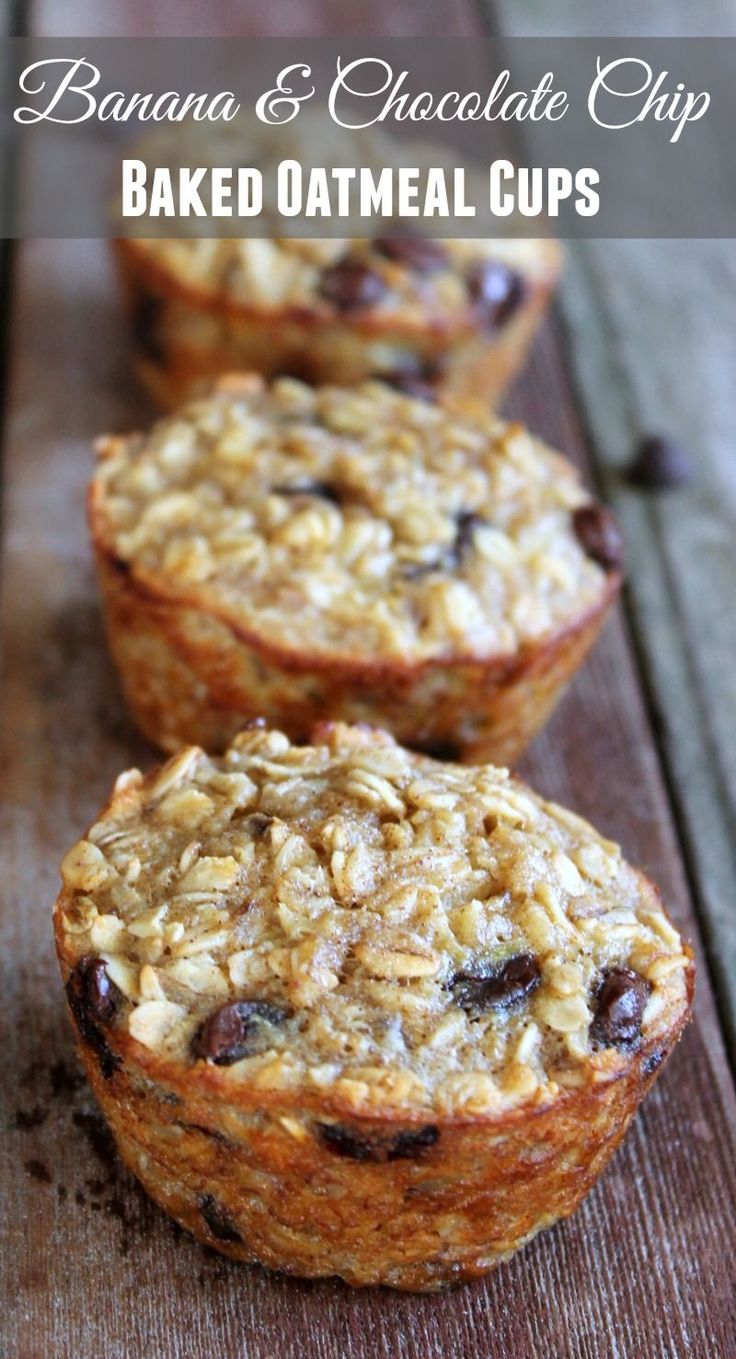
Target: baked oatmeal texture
456,313
347,553
350,1010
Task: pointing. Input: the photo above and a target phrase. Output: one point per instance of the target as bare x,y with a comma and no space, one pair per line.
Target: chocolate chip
660,464
418,253
620,1002
411,384
599,536
218,1219
236,1030
496,290
417,570
258,823
467,522
323,490
350,285
377,1147
653,1061
407,1145
146,327
94,1000
501,987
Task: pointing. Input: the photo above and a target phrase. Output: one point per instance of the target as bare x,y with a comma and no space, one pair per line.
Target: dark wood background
88,1266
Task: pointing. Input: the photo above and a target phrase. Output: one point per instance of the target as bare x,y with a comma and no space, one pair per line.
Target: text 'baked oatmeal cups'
458,315
352,1011
352,554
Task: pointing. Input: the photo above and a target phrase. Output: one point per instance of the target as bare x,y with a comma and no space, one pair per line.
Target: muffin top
398,271
356,523
365,926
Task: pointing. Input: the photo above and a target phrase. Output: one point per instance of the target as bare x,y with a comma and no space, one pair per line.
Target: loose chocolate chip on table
496,290
500,988
419,253
660,464
217,1219
350,285
236,1030
620,1003
599,535
322,490
377,1147
94,1000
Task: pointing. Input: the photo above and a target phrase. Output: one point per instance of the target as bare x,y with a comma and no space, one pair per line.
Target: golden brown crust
265,1187
448,1214
191,678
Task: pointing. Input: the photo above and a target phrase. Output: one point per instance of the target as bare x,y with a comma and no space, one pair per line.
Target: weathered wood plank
667,364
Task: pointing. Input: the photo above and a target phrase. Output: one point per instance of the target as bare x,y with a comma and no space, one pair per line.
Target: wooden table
88,1266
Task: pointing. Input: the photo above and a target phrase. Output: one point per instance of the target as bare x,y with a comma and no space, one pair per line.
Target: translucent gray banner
320,137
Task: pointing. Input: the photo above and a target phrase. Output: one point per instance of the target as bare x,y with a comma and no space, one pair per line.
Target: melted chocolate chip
497,291
418,253
258,823
323,490
350,285
467,522
654,1061
218,1219
660,464
500,988
146,327
378,1147
94,1000
407,1145
411,384
236,1030
599,536
620,1002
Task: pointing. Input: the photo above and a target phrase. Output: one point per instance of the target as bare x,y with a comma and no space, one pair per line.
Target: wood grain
89,1267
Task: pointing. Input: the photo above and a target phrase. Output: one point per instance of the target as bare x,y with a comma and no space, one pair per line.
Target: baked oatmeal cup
459,314
353,554
352,1011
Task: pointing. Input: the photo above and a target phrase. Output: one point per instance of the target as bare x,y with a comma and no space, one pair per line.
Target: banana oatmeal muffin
455,314
353,554
460,313
349,1010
